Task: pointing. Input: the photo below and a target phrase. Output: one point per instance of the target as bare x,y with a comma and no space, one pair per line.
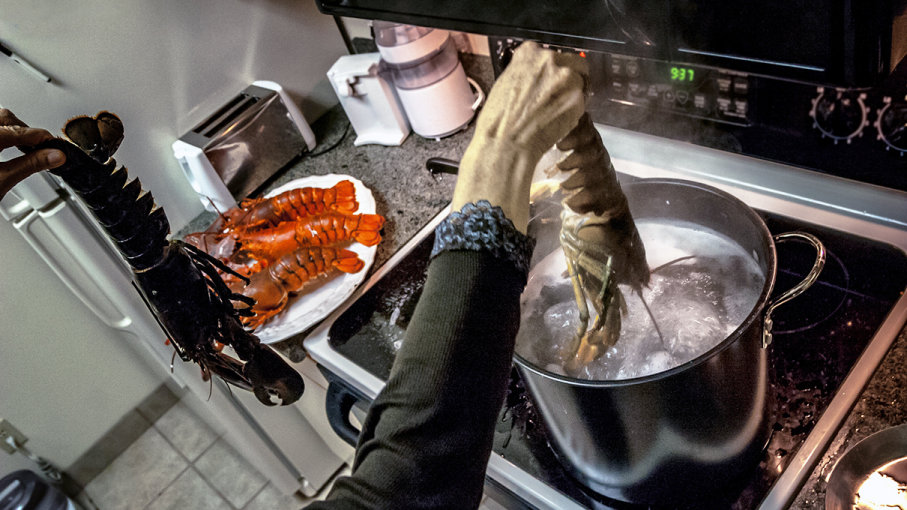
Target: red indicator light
582,54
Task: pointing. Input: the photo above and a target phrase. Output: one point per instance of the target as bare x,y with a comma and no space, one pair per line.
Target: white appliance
425,68
369,100
280,442
237,148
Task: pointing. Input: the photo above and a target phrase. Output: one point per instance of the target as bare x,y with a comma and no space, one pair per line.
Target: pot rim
754,315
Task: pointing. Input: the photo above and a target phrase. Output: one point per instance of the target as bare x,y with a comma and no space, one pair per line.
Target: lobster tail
120,206
367,231
345,197
271,287
99,136
347,261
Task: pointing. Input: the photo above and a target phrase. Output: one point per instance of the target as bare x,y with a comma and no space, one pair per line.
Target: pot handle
800,287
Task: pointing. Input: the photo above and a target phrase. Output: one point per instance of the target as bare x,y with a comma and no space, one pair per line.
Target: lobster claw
271,377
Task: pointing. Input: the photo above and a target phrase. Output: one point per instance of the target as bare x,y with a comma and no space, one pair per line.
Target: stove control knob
504,51
892,125
839,115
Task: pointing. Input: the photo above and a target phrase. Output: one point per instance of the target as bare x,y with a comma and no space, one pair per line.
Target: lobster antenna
652,316
666,264
646,305
210,383
219,212
227,385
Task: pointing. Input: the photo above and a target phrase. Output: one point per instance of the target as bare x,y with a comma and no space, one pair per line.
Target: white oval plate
320,297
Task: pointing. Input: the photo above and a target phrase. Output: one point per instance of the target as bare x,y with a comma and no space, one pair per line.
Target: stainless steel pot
679,434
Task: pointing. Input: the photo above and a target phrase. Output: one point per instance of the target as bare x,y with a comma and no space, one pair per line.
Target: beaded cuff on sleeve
481,226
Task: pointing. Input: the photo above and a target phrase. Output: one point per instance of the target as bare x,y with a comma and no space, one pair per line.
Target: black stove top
817,339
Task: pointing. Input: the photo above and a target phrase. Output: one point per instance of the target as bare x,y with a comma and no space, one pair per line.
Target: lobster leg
195,309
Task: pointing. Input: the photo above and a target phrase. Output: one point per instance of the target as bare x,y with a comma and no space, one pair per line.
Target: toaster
235,150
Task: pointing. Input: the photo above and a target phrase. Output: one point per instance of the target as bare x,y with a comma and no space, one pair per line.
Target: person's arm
13,132
427,437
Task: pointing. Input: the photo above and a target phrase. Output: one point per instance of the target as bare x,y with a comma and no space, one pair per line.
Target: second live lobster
179,283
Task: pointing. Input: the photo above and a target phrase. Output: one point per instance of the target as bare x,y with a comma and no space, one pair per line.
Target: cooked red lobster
271,287
287,241
326,230
289,206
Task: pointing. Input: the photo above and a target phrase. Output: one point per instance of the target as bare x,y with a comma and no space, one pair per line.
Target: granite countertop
409,196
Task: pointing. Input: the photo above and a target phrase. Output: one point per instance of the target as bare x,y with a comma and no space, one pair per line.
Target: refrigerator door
39,190
19,201
51,234
69,248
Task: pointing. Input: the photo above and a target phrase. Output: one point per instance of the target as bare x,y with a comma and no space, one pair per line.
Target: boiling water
697,303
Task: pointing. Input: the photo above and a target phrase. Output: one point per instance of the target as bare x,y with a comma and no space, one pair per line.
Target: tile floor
180,463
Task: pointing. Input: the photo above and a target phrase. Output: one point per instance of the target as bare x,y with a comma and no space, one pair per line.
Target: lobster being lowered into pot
178,282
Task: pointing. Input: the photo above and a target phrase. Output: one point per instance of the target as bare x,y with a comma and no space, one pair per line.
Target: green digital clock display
684,74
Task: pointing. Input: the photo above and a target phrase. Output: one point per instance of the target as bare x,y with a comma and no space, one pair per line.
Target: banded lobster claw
264,373
272,377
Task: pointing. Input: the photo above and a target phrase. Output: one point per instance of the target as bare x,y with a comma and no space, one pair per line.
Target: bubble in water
654,362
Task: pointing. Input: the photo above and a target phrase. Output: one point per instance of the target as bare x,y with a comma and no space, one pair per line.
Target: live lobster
179,283
602,246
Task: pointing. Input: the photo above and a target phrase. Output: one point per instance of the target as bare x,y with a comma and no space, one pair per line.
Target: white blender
431,84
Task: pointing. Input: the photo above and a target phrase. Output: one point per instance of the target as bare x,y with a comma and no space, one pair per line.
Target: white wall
162,66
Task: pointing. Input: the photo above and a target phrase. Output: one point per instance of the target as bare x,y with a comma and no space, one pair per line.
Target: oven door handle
339,402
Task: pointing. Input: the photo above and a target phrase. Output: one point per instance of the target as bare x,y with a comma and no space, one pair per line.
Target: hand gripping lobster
179,283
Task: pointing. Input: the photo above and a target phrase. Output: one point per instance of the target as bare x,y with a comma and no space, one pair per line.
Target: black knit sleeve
427,437
481,226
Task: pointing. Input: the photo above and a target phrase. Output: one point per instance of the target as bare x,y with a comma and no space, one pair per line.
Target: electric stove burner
833,288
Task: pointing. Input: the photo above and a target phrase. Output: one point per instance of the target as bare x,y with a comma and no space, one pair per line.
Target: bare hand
535,102
14,132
